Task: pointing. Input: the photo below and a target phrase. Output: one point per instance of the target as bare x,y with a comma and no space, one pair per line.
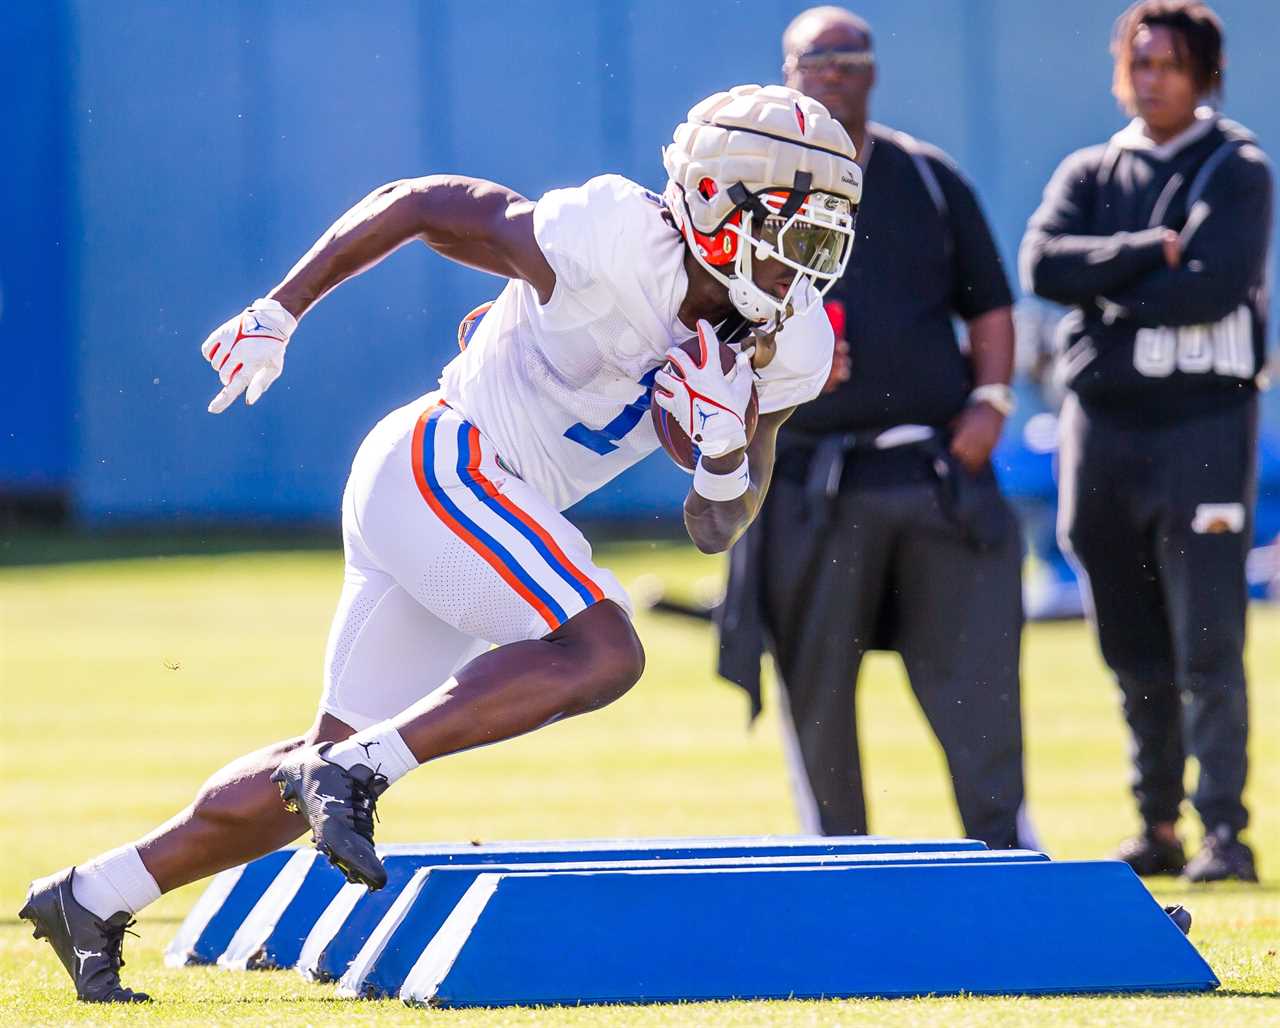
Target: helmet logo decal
800,118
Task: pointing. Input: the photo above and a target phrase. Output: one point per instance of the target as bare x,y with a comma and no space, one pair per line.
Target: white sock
113,882
379,747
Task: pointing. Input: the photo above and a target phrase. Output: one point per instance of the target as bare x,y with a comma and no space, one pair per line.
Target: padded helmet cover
760,136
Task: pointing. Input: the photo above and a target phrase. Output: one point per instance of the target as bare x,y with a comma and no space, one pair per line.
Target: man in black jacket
884,527
1158,239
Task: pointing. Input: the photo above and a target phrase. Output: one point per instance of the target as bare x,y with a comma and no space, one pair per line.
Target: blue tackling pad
380,968
286,909
640,921
573,937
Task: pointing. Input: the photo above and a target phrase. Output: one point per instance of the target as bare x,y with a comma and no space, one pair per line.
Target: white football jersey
562,389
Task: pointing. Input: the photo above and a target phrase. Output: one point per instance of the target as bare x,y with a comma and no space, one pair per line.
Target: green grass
126,682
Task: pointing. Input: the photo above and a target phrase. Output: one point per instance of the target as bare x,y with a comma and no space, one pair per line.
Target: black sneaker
90,948
340,806
1149,855
1223,856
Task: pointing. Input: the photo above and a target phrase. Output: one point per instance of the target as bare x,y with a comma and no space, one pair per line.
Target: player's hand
974,435
247,352
708,404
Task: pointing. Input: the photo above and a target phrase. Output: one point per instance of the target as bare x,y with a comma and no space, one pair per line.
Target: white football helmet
765,173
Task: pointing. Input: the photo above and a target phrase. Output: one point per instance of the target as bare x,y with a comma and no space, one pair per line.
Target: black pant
1160,520
891,571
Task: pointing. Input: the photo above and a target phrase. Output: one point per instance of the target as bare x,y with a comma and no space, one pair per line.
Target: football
680,448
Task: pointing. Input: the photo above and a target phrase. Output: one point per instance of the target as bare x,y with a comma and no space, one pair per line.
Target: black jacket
1146,341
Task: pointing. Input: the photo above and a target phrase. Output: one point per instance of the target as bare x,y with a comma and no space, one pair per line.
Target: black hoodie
1146,342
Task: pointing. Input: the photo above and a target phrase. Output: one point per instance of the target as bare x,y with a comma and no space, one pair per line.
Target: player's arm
710,404
1218,256
474,222
976,429
1062,261
714,525
477,223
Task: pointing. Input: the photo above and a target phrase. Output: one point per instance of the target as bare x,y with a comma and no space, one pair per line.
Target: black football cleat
1149,855
1222,857
340,807
90,948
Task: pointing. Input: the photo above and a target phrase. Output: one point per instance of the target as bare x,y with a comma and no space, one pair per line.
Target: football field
126,682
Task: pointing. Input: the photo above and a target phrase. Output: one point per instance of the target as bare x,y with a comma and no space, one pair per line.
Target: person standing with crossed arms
1158,239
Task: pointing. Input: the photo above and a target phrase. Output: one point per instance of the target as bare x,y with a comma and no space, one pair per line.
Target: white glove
247,352
709,405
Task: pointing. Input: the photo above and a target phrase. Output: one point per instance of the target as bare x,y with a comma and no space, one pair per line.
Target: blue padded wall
37,251
187,154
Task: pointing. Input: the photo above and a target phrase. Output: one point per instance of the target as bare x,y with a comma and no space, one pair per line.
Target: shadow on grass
34,548
1176,888
1249,993
331,997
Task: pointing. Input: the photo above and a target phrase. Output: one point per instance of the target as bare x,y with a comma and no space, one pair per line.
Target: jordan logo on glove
247,352
259,329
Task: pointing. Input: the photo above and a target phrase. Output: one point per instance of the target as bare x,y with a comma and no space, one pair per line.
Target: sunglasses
813,62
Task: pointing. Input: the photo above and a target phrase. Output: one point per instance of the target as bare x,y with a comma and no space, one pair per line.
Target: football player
471,609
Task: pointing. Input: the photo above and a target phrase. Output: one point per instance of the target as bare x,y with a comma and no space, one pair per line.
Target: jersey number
605,440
